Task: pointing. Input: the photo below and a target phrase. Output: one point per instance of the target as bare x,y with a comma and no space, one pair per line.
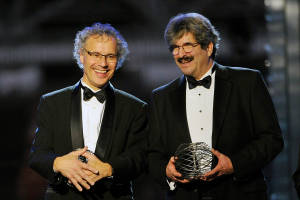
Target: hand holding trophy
193,159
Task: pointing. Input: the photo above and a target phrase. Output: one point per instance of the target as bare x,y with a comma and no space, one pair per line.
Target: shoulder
59,97
241,71
244,76
237,73
169,87
239,77
60,93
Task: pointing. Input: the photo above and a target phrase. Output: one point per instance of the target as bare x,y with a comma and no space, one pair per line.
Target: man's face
97,73
195,63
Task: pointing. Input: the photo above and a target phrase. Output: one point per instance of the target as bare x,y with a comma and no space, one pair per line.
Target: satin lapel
76,118
178,103
107,123
221,99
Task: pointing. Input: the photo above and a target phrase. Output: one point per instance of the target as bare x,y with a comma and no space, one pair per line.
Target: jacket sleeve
267,141
158,160
42,156
131,161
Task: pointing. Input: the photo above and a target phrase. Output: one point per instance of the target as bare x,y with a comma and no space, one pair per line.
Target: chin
187,73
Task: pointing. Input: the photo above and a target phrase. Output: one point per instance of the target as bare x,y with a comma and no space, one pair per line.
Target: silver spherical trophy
193,159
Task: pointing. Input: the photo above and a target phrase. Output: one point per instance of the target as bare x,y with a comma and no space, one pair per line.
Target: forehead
186,38
101,42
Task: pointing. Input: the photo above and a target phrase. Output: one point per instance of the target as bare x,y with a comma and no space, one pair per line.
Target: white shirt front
92,114
199,110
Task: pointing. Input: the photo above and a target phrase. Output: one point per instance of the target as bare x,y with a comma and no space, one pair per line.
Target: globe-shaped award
193,159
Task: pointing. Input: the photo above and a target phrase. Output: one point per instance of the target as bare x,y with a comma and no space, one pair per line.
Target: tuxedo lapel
178,104
76,118
107,123
221,99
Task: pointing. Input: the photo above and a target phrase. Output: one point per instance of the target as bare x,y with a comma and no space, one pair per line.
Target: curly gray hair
100,29
196,24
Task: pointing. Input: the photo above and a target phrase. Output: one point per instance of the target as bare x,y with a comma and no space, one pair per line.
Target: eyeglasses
95,56
187,47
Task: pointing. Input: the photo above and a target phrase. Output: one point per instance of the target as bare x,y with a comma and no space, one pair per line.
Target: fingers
210,177
91,175
183,181
216,153
70,167
104,168
78,182
75,183
85,180
172,160
81,151
89,167
224,167
87,172
90,156
84,175
210,173
171,172
79,178
174,175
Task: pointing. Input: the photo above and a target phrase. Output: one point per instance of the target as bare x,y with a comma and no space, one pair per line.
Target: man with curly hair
91,139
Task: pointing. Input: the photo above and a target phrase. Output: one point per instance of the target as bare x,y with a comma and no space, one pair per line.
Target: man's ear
210,49
81,55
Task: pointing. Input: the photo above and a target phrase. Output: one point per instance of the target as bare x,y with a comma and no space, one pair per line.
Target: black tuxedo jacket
245,128
122,141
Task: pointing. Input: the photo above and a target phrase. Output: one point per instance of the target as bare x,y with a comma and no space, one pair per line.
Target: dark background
36,43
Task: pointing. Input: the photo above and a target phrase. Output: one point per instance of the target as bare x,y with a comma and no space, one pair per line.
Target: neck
205,69
95,89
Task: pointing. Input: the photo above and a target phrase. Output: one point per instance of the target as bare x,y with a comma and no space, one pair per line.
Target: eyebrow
101,53
183,44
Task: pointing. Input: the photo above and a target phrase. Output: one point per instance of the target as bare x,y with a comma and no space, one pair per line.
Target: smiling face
97,73
195,63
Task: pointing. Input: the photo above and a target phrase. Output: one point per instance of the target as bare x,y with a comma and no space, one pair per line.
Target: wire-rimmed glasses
95,56
187,47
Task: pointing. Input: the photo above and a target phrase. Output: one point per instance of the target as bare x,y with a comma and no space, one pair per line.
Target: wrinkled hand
104,169
70,167
173,174
224,167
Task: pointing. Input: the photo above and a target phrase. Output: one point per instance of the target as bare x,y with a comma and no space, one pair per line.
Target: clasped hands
79,173
224,167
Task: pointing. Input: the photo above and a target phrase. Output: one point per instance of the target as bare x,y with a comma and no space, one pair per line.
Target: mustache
185,58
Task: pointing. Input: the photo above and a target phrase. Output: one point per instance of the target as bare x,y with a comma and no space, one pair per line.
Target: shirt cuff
171,184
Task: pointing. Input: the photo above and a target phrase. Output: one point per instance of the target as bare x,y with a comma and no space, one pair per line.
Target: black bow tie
205,82
87,94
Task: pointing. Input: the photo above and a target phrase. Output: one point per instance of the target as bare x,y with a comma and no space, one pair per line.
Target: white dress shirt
199,111
92,115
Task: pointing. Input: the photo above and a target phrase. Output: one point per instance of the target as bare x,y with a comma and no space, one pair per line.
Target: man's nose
102,62
181,52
